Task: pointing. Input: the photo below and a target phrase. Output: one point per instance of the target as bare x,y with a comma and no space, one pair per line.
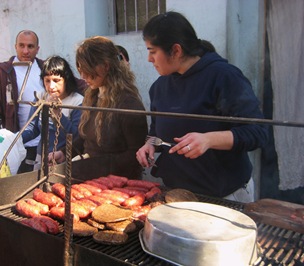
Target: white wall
58,23
208,17
62,24
234,27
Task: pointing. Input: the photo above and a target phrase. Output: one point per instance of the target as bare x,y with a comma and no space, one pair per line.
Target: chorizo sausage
44,209
93,189
36,224
136,200
25,209
96,184
142,183
58,213
47,198
52,225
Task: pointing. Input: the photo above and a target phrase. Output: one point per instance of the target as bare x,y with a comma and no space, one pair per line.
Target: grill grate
278,247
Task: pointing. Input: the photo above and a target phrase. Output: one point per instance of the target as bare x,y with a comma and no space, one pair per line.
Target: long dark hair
56,65
165,30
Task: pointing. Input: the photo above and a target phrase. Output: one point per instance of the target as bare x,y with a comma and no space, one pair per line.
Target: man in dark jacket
13,115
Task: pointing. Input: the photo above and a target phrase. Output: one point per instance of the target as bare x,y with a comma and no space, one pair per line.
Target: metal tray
196,233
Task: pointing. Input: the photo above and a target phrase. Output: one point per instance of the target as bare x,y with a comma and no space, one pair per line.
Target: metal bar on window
140,10
125,15
136,21
147,10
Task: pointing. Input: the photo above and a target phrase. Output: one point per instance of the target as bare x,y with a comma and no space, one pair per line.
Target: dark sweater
210,87
9,111
121,138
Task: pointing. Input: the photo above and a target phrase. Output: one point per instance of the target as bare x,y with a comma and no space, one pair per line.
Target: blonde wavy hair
92,55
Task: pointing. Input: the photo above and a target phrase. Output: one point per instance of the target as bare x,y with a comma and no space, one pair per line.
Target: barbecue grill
21,245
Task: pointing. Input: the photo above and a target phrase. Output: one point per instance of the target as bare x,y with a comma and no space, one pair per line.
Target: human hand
58,156
194,144
53,98
145,155
191,145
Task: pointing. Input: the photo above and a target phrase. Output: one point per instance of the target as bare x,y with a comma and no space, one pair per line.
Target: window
132,15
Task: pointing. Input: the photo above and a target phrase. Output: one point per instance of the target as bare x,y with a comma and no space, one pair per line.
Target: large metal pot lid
200,221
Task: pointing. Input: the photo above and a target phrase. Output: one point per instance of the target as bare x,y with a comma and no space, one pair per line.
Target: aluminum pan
195,233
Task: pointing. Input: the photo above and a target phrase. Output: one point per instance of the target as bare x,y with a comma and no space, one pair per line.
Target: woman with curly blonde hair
110,139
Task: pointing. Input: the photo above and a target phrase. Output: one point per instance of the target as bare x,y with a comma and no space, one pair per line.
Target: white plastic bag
18,152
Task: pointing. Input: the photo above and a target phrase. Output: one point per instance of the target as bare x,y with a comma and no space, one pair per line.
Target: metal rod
45,140
19,134
68,217
3,207
228,119
42,180
29,66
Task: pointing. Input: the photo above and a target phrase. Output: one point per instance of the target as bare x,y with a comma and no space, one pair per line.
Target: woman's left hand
193,145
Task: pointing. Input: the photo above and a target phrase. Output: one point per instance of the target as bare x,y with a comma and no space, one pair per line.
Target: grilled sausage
25,209
47,198
104,181
58,213
141,189
153,192
44,209
136,200
80,210
88,204
123,179
92,189
141,212
52,225
99,200
59,190
96,184
36,224
116,192
84,191
142,183
130,191
113,197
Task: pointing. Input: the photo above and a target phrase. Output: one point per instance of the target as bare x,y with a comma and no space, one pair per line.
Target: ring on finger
188,147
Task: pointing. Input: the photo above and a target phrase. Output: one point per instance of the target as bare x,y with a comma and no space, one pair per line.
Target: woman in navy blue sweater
210,157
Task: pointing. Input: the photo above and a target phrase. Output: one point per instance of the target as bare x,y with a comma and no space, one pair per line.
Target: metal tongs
158,142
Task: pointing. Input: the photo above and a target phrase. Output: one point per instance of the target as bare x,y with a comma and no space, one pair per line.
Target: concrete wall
58,23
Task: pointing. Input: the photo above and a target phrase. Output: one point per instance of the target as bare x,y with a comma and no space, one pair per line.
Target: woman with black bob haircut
61,86
56,65
210,157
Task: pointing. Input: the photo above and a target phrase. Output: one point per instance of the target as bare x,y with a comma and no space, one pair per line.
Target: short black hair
56,65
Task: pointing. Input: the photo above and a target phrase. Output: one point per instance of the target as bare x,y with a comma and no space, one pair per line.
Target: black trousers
31,153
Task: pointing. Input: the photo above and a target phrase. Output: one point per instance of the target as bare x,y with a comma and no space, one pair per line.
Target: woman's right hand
145,152
57,155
